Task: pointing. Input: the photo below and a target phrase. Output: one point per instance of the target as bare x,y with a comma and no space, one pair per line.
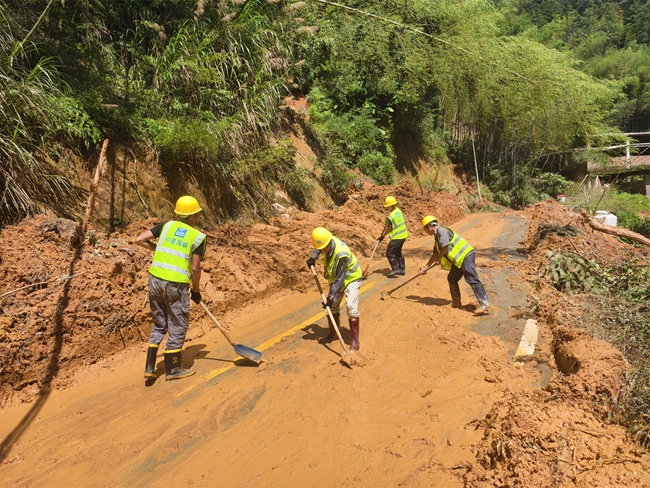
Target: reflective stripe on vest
172,260
341,250
398,225
456,252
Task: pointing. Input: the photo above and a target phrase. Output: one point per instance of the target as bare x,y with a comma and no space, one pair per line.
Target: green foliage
336,178
277,163
379,167
526,190
571,273
550,184
610,37
350,140
634,222
202,83
618,202
35,119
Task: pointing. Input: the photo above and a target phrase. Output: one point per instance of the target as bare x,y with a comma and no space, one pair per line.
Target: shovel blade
248,353
354,358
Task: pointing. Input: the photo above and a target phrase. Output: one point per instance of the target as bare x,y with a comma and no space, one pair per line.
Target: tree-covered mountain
521,84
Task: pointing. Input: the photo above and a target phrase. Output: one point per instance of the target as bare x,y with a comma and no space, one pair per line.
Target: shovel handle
405,283
365,271
216,322
329,312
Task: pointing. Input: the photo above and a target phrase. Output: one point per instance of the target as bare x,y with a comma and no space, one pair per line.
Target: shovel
364,275
350,358
400,286
244,351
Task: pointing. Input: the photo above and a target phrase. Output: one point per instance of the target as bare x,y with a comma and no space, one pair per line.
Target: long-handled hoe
390,293
365,273
351,358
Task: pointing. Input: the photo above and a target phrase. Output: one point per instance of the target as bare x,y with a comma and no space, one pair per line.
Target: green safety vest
398,225
341,250
458,249
172,260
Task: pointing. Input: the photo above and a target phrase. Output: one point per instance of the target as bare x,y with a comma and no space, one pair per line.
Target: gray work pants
170,311
468,271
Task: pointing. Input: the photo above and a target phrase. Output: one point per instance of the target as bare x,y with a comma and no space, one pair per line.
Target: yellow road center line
271,342
186,391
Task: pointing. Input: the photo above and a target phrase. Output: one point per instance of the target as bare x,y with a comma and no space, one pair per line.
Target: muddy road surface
414,415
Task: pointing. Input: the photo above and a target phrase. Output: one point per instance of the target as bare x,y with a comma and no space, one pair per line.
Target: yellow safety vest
172,260
458,249
398,225
341,250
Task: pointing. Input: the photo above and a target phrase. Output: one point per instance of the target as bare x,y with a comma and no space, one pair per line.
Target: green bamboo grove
202,82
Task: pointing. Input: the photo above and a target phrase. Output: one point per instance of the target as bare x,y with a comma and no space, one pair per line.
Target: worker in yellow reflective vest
396,229
455,255
174,278
343,273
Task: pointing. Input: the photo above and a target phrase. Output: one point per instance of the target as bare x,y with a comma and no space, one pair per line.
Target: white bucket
606,218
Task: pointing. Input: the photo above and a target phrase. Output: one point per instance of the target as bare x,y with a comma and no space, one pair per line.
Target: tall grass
34,116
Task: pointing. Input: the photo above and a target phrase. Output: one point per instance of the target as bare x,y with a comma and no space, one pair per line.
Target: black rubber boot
150,367
332,335
481,296
395,268
354,333
402,265
174,370
454,289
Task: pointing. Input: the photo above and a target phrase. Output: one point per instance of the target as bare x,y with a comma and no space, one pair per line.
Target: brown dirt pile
563,435
65,307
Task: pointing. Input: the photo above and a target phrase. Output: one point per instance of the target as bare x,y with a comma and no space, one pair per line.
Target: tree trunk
616,231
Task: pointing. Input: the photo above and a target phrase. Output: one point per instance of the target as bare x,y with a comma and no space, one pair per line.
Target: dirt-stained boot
174,370
354,333
481,296
150,367
454,290
332,335
402,265
394,267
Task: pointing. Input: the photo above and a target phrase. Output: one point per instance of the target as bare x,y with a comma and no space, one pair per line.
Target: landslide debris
564,434
64,307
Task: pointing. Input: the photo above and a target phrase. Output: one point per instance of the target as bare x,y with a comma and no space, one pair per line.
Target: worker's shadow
438,302
201,354
315,332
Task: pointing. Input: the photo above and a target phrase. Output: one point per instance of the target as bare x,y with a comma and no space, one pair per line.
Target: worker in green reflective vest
396,229
455,255
174,278
343,273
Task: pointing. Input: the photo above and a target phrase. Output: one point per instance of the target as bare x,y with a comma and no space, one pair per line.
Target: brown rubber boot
354,332
150,367
332,335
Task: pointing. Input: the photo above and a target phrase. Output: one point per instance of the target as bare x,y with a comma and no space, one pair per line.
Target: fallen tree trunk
616,231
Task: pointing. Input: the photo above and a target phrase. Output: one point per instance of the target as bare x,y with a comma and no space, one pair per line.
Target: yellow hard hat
187,205
428,219
390,201
321,237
